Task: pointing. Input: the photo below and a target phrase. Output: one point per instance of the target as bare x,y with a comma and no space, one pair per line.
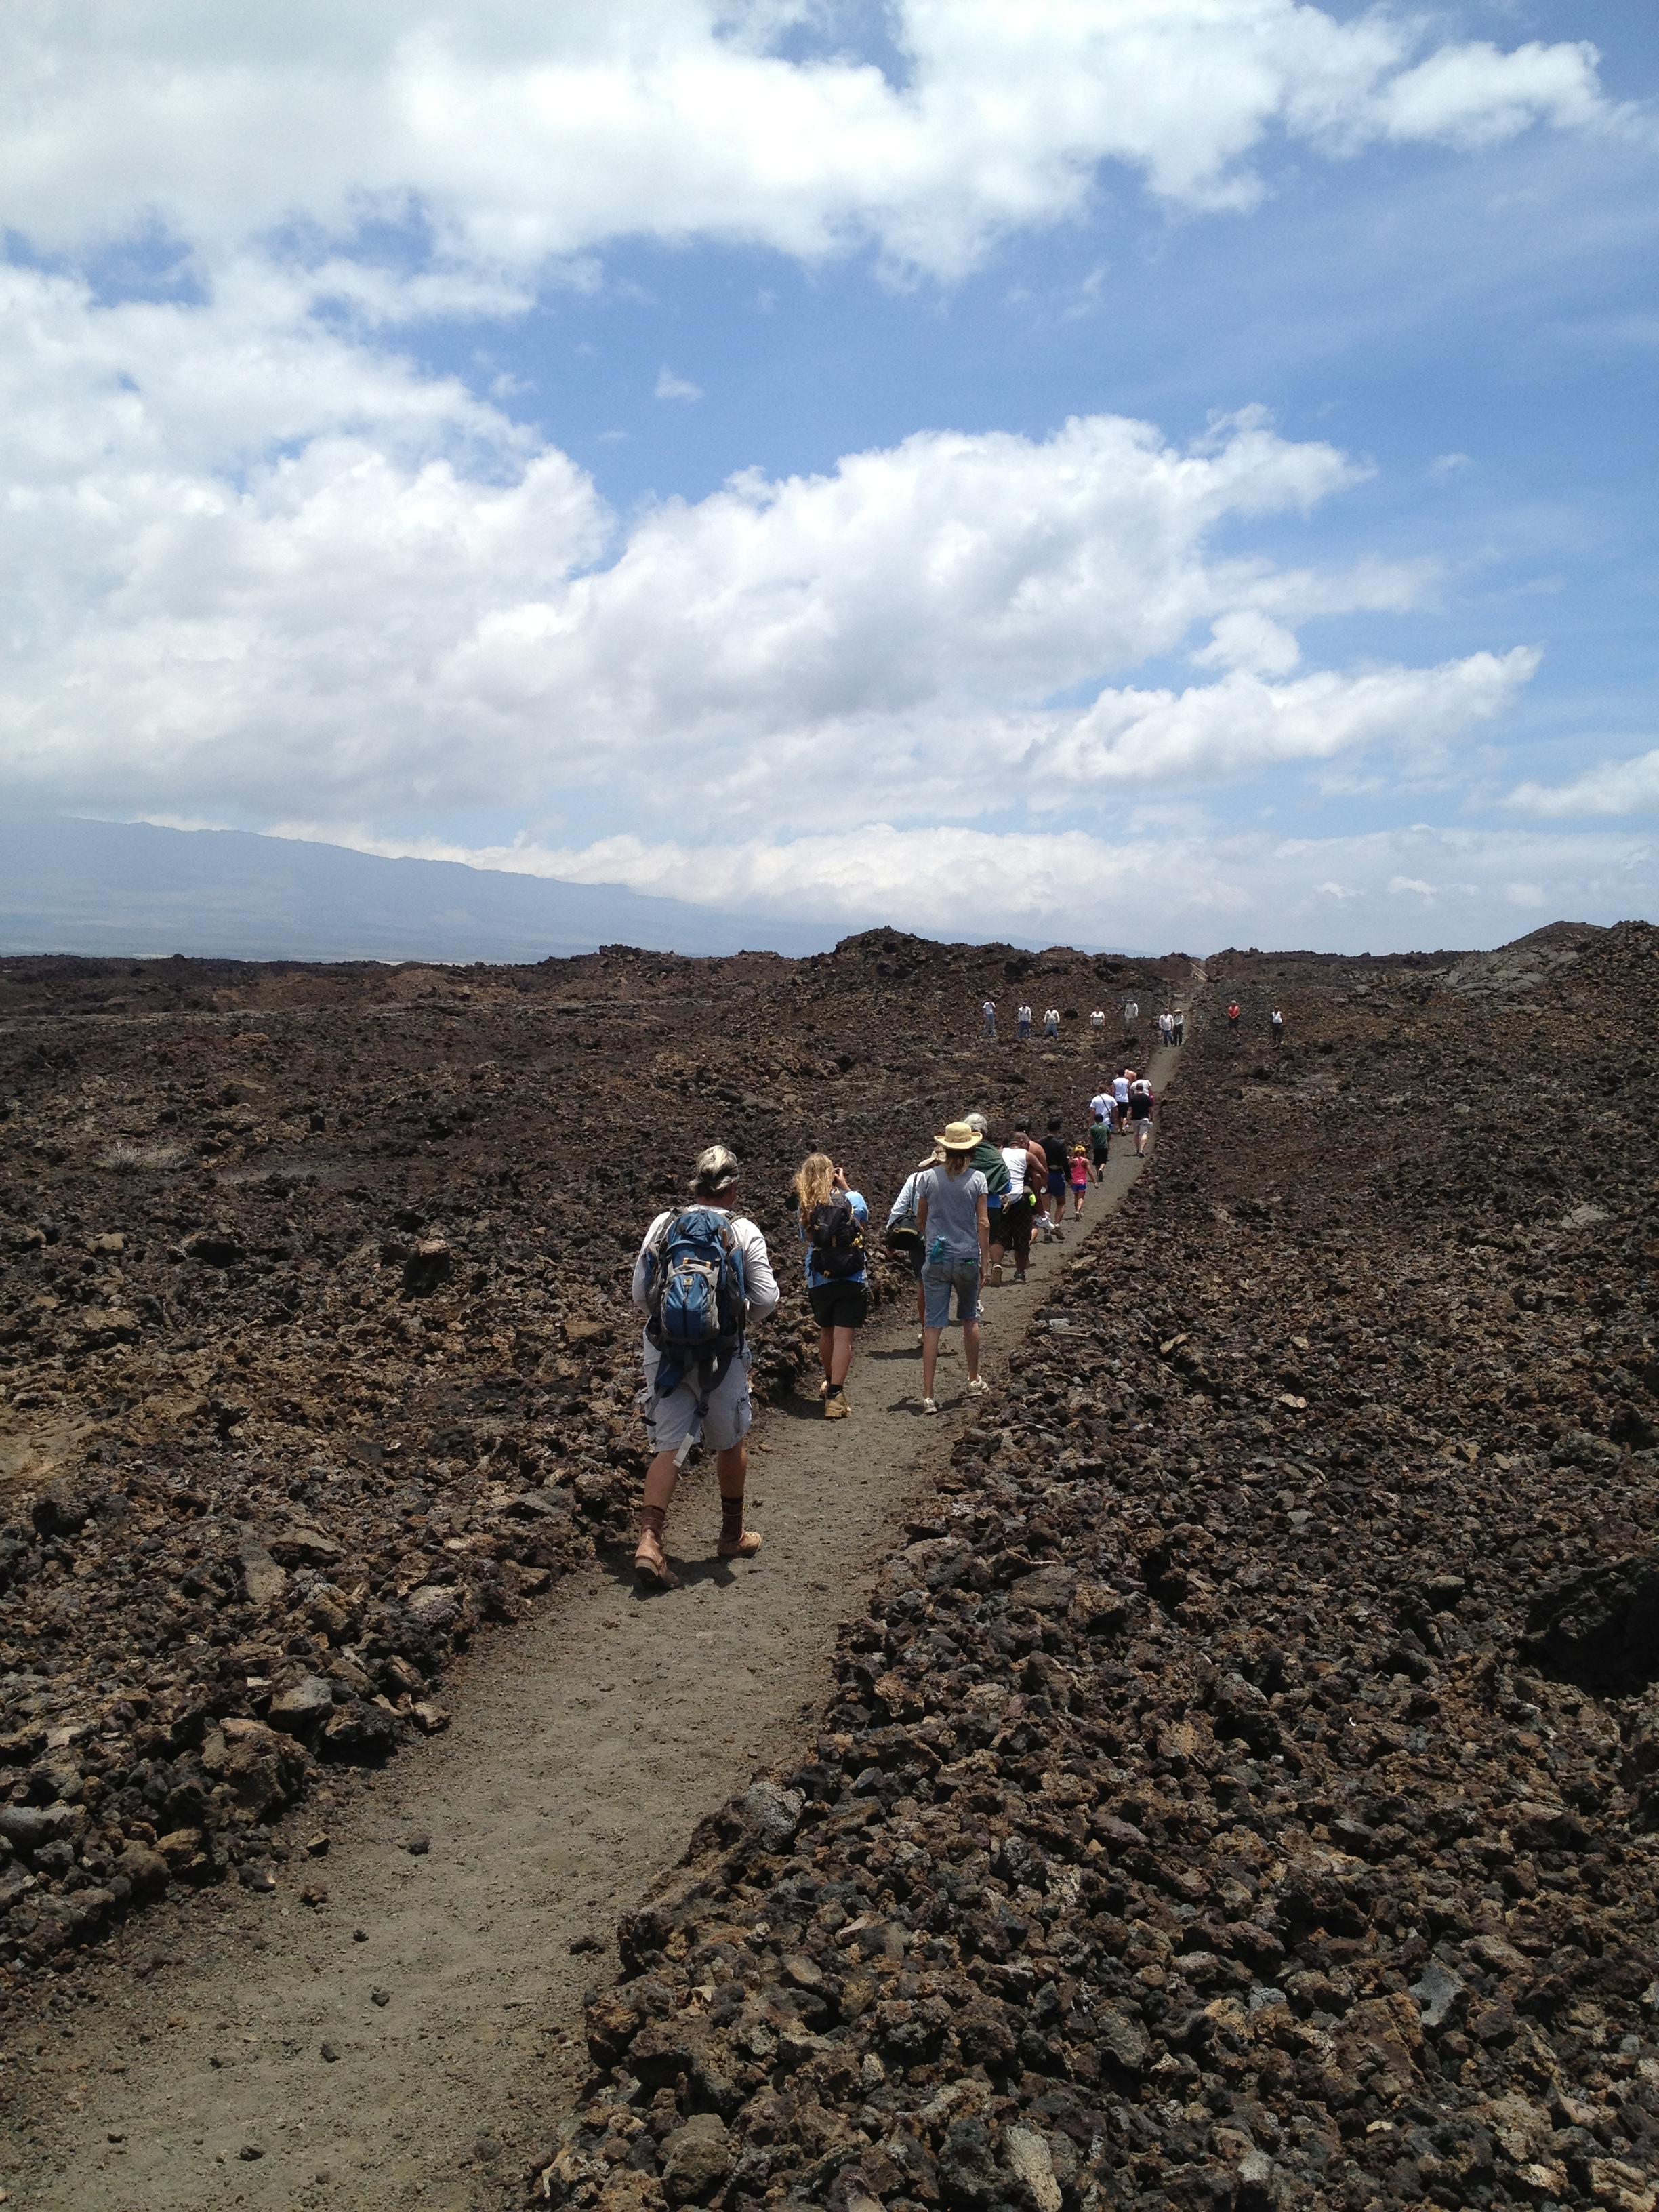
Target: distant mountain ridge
129,888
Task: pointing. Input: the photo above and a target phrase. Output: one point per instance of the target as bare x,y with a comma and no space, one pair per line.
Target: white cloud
1244,723
1196,889
519,136
1251,643
1628,786
669,386
1474,95
262,554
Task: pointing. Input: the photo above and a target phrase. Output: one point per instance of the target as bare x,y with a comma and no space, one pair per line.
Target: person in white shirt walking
703,1267
1028,1171
989,1016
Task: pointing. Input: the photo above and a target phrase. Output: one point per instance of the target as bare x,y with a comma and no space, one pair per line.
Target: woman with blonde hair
832,1220
955,1234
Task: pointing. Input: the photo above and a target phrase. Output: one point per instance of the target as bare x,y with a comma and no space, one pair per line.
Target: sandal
651,1568
746,1547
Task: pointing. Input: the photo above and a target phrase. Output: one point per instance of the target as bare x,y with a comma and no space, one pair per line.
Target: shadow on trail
617,1566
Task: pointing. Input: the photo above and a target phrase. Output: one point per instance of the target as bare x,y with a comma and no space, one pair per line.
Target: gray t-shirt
953,1210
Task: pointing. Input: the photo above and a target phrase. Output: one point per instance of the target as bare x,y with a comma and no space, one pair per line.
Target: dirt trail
403,2042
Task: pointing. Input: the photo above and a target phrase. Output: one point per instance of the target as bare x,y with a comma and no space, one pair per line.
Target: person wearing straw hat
956,1236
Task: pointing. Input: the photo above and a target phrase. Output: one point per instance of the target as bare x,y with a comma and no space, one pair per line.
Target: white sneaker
977,1386
930,1405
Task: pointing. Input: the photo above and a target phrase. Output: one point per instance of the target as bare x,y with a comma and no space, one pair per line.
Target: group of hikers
1171,1022
703,1276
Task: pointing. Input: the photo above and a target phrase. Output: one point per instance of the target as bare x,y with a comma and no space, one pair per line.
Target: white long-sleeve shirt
762,1282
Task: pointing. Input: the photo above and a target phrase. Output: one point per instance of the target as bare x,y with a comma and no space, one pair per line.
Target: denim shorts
939,1278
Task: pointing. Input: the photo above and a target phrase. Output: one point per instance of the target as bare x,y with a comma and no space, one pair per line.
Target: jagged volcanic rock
1240,1791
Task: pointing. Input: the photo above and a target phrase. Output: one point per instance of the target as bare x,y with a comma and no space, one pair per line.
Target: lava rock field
1244,1790
315,1349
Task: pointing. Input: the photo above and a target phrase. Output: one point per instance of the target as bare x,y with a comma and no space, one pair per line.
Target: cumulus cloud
260,554
1190,888
1475,95
1244,723
515,135
1628,786
671,386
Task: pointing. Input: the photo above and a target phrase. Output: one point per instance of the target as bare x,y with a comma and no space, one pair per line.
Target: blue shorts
939,1278
1056,1182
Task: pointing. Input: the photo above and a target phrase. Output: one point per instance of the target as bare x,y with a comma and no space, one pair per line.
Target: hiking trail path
587,1741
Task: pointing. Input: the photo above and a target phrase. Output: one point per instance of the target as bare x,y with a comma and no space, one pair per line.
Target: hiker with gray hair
702,1277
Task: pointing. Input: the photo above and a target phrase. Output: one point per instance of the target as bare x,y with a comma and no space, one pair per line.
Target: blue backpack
698,1301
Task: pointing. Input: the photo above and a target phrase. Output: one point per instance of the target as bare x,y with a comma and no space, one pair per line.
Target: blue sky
1193,459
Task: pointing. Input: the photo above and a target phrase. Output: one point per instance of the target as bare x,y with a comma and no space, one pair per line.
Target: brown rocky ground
314,1352
1244,1790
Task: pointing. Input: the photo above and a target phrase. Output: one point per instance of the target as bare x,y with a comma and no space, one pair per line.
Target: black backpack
837,1240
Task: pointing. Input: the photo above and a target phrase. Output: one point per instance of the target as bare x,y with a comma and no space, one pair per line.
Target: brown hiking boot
651,1567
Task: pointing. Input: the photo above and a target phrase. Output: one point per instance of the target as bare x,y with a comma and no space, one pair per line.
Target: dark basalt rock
1237,1792
1600,1628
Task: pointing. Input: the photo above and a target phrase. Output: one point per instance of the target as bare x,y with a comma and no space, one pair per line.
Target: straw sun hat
958,1137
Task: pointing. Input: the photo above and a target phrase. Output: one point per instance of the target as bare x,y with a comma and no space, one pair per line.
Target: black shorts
839,1305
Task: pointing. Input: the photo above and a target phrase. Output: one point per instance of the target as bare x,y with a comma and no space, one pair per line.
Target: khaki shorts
669,1421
